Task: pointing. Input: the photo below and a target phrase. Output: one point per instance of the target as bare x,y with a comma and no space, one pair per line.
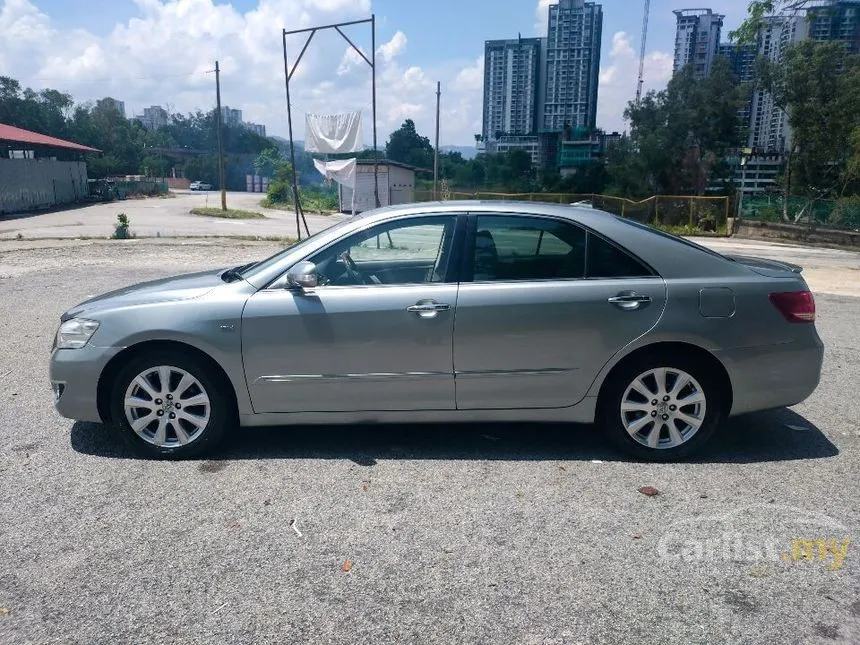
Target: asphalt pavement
478,533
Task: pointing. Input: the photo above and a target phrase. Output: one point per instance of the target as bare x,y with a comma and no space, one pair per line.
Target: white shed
396,186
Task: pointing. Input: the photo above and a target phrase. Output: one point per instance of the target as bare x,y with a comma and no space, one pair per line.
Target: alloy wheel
167,406
663,408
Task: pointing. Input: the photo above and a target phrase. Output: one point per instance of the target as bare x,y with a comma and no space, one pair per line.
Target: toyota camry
454,311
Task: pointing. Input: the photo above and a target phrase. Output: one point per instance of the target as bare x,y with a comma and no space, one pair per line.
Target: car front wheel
168,405
661,409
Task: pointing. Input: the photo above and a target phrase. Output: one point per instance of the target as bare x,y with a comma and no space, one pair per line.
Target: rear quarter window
605,260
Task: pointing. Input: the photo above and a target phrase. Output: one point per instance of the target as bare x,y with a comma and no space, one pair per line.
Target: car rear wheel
661,408
169,405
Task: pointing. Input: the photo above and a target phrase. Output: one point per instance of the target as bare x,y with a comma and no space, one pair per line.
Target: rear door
544,305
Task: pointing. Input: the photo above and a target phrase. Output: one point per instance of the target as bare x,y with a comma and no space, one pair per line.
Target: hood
183,287
766,267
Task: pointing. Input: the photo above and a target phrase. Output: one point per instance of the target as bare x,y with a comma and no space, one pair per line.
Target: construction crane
641,80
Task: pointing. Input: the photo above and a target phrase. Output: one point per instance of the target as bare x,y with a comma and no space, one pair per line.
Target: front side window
411,251
514,248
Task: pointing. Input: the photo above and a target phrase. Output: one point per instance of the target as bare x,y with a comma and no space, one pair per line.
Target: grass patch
228,214
314,206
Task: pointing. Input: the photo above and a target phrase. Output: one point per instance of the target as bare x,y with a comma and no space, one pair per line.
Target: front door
376,335
548,306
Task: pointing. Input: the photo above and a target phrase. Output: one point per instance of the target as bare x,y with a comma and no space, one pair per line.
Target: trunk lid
767,267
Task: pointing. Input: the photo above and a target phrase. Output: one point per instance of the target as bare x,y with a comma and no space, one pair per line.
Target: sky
162,52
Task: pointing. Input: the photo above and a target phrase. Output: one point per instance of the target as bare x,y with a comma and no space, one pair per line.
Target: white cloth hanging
342,171
333,133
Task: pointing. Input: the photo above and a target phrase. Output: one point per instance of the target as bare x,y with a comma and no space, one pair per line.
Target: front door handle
427,309
630,300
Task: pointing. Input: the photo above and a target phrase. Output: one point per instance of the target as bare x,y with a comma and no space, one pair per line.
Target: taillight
795,306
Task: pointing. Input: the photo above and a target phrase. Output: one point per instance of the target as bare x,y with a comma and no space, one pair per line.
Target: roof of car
581,213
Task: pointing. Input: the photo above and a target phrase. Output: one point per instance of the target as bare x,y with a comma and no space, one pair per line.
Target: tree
758,11
817,84
680,135
407,146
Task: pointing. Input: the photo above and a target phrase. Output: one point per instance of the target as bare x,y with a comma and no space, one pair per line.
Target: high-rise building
697,40
511,87
153,117
769,129
836,20
230,116
742,59
256,128
119,106
574,33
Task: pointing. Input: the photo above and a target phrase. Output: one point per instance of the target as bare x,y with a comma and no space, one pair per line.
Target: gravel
493,533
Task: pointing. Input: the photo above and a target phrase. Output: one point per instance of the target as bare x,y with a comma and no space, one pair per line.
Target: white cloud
618,79
471,78
166,53
542,16
393,47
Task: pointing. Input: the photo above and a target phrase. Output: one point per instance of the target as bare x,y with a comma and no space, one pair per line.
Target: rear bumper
75,376
772,376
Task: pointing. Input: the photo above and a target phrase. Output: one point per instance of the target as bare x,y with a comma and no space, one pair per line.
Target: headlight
75,333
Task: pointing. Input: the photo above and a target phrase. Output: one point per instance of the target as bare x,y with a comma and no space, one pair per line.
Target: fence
683,212
31,184
109,190
843,214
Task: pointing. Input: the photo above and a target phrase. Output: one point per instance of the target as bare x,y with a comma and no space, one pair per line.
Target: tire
696,409
197,398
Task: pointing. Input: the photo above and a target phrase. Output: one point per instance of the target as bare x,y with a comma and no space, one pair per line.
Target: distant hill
468,152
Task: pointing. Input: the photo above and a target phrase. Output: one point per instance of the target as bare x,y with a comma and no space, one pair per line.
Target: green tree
817,84
758,11
680,135
407,146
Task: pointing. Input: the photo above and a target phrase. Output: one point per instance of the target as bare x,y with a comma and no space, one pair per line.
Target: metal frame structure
288,74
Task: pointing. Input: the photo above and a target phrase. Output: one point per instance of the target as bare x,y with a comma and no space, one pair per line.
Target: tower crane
641,80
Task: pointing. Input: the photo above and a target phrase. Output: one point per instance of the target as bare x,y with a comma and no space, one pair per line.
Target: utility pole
220,138
373,82
436,152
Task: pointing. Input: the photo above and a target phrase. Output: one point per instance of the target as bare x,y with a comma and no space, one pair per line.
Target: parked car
199,185
462,311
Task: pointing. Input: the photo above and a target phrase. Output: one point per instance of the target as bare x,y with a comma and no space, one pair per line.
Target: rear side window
513,248
608,261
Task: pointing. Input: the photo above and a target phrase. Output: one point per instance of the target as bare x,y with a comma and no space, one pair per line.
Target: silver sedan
455,311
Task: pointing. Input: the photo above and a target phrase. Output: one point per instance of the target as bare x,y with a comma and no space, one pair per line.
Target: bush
846,214
121,229
280,192
314,198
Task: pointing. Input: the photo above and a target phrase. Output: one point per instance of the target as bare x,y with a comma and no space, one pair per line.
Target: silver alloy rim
166,406
663,408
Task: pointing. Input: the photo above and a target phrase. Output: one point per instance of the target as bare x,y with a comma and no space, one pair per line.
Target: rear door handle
629,301
427,309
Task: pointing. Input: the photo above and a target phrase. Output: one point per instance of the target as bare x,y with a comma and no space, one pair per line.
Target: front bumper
75,377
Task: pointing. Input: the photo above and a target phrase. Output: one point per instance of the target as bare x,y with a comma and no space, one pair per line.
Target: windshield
277,257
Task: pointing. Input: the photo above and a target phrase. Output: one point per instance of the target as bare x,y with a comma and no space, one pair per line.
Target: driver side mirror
303,276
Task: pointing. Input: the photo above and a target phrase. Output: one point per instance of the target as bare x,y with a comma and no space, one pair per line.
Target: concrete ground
160,217
493,533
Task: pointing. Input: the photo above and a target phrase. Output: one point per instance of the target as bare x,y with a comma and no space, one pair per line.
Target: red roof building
11,134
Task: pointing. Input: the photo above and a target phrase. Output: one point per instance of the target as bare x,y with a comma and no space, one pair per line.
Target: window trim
467,267
452,273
